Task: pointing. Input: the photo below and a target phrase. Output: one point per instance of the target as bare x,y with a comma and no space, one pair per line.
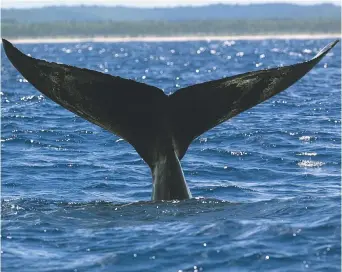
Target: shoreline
116,39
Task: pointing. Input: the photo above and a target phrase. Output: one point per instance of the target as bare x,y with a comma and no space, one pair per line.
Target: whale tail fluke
125,107
201,107
143,115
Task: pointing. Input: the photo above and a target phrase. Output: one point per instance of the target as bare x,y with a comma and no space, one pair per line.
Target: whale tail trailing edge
143,115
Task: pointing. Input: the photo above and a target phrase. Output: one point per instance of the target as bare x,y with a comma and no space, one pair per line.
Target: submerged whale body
159,127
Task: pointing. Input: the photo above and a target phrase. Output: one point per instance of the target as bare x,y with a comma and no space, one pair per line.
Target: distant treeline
265,11
13,29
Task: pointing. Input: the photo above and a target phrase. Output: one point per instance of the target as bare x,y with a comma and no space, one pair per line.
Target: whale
160,127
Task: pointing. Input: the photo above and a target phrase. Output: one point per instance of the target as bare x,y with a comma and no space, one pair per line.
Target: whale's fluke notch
200,107
158,126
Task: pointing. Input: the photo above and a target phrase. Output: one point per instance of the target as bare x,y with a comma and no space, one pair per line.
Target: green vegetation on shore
181,13
13,29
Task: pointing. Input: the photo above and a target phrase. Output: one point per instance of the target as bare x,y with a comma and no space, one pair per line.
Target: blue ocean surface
266,184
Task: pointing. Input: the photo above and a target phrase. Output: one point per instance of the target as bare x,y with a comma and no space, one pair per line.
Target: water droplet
307,51
305,138
229,43
203,140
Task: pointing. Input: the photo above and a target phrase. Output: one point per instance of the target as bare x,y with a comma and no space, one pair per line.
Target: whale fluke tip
8,47
326,49
5,42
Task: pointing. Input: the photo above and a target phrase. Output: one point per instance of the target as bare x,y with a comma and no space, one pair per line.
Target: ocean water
266,184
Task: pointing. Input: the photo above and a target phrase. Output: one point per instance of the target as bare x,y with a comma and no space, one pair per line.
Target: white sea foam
309,163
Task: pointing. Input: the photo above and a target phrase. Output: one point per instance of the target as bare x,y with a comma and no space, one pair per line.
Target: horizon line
168,6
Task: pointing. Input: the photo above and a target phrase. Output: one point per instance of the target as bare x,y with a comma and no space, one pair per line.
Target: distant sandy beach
174,38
